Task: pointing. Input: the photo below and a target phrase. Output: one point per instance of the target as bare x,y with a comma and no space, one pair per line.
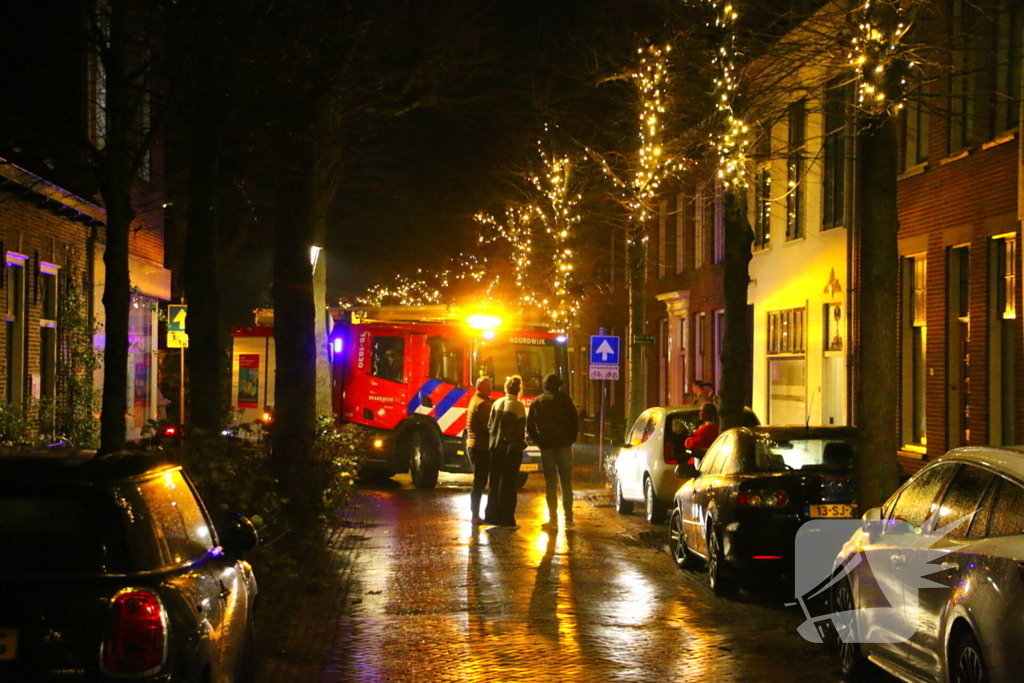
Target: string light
732,144
879,55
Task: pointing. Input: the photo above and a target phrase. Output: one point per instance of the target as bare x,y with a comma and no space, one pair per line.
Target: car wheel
424,459
623,506
721,583
966,662
655,509
844,632
677,542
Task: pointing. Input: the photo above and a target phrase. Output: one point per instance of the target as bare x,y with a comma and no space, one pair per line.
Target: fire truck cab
408,373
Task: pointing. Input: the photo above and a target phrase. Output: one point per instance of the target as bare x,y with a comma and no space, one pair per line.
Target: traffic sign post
177,338
604,365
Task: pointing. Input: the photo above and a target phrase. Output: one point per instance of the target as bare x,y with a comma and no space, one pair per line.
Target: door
703,490
888,598
956,511
626,465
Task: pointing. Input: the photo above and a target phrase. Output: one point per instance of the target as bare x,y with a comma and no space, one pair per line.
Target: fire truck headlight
560,339
488,334
378,443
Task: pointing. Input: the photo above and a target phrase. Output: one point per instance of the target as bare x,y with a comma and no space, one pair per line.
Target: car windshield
811,453
530,358
64,530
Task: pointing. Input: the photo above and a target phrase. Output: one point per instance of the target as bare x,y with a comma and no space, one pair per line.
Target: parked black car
741,508
112,570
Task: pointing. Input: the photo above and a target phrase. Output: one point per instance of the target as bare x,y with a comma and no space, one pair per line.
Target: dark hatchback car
753,489
111,570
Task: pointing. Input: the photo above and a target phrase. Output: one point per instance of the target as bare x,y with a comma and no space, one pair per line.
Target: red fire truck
407,373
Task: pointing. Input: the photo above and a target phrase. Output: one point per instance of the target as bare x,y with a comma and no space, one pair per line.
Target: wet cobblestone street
407,590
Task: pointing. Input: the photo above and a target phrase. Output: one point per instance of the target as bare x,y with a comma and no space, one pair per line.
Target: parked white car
968,625
646,462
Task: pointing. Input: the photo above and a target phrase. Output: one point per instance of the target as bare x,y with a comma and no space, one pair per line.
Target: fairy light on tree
879,55
732,142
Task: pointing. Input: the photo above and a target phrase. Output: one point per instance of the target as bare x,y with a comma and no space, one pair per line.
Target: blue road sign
176,314
604,350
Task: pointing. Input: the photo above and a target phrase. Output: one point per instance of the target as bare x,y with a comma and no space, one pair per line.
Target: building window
662,238
961,86
916,328
699,335
680,225
762,208
959,346
719,342
915,134
704,218
16,355
787,366
48,281
834,182
718,214
1006,69
795,170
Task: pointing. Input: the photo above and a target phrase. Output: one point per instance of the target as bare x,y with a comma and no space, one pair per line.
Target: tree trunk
736,343
324,190
204,358
637,324
878,374
116,302
295,395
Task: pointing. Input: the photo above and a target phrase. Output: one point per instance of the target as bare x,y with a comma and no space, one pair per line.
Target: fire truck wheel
424,458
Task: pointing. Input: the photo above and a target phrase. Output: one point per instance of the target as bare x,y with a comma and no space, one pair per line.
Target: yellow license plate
529,467
8,643
833,510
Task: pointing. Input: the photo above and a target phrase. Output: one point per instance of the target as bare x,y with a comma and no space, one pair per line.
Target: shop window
787,366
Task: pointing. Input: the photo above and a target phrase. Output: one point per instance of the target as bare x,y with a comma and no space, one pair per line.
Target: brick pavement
404,589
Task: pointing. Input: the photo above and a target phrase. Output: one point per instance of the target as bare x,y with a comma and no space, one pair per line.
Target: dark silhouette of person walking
507,428
477,438
553,425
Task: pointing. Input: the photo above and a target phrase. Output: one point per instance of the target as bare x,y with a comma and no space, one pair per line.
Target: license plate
833,510
8,643
529,467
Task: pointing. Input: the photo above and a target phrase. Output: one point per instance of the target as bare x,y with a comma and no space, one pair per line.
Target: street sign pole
600,431
181,388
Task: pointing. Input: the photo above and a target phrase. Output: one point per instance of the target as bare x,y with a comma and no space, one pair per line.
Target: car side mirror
687,470
872,523
238,535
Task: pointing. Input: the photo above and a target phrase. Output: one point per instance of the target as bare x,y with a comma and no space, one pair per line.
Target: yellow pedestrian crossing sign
177,337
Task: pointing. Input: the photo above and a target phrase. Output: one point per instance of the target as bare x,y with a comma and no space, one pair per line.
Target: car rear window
814,453
72,530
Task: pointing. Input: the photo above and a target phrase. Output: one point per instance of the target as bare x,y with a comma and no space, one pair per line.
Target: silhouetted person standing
477,438
553,425
507,428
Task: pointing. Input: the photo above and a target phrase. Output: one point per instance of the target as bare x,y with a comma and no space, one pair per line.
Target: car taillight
135,638
170,431
670,454
764,499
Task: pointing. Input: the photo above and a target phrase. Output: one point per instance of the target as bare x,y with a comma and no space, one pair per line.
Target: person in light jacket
553,425
477,438
507,429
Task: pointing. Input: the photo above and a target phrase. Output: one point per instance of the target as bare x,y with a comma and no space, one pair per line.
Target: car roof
798,433
69,465
1008,459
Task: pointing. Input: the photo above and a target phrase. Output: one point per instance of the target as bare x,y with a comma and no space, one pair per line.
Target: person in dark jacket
553,425
477,438
507,429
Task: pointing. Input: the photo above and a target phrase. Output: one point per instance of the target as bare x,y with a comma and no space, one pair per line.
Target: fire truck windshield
531,361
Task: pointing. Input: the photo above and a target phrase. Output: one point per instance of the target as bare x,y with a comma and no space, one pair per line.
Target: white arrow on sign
605,350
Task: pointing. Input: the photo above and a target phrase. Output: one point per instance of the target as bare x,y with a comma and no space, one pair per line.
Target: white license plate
832,510
529,467
8,643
